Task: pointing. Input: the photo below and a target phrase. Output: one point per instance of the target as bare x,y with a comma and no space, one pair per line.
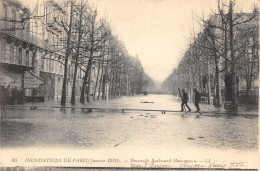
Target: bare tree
220,37
81,30
248,66
93,47
68,30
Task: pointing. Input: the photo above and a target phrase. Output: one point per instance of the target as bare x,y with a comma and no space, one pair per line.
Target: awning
7,78
31,80
15,67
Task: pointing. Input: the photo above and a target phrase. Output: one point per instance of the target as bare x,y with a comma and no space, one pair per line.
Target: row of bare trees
87,43
93,48
226,50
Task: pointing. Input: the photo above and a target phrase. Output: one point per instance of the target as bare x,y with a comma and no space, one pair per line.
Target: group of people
185,100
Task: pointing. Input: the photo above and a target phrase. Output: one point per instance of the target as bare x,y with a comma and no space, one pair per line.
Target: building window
42,63
28,92
30,58
52,65
49,69
3,47
5,12
27,25
27,58
36,29
13,18
20,24
16,55
12,53
7,50
20,56
32,27
47,64
53,39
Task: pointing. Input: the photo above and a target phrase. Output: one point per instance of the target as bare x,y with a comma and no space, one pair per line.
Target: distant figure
197,99
184,100
3,99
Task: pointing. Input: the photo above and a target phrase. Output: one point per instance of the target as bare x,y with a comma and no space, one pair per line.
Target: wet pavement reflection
104,129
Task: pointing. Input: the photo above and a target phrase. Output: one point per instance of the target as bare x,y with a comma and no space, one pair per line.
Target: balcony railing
13,59
22,34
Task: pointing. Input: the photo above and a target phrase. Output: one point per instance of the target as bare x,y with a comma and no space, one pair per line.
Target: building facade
18,52
32,50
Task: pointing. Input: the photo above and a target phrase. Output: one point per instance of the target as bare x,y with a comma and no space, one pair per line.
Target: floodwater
110,129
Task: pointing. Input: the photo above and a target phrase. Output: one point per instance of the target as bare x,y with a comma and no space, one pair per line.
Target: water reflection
14,133
105,129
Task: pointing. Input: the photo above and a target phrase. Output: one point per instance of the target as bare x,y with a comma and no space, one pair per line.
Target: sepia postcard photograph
129,84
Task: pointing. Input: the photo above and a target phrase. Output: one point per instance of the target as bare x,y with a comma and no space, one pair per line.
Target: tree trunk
77,58
233,59
100,81
89,84
111,83
72,100
200,76
82,93
217,83
104,87
224,25
209,82
127,84
68,49
99,65
216,61
85,81
88,71
190,82
95,89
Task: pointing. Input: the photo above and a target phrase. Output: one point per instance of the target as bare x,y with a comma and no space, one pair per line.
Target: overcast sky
157,31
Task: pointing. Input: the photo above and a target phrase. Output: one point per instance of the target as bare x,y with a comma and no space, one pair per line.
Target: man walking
184,100
197,99
3,100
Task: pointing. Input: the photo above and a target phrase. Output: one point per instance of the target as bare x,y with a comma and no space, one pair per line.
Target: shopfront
11,79
32,83
22,84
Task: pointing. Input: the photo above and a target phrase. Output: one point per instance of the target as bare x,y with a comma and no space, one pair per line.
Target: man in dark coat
184,100
3,99
197,99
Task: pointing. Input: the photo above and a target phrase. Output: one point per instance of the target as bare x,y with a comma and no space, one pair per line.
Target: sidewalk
242,109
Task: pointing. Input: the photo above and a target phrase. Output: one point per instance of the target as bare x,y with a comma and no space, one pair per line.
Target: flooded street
109,129
125,139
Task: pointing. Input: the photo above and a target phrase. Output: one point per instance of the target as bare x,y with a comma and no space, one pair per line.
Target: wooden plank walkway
89,109
123,110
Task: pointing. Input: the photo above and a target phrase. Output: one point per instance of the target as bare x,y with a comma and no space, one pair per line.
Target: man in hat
184,100
197,99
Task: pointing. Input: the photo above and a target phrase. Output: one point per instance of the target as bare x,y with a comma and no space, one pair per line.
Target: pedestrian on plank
197,99
184,100
3,99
